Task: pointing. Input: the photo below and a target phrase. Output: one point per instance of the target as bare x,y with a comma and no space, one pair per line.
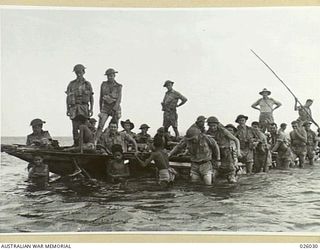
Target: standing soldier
280,147
266,108
79,101
223,137
311,142
262,156
109,102
298,137
305,114
169,107
246,137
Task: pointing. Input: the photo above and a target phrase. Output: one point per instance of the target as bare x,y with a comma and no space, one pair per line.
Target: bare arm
296,104
182,144
183,100
146,162
255,105
302,135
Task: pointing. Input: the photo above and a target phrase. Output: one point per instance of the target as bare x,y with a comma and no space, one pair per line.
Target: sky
206,52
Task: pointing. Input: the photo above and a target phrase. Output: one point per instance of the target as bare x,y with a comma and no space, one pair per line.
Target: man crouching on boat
201,148
39,137
161,160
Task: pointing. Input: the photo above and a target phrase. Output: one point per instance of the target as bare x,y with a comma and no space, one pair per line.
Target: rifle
311,119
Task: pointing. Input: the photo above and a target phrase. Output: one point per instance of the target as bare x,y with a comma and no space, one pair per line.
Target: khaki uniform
262,156
42,139
141,138
299,145
79,93
201,154
110,98
284,156
227,167
311,144
169,107
246,138
107,140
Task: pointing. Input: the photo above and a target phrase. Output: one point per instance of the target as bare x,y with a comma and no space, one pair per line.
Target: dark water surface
280,201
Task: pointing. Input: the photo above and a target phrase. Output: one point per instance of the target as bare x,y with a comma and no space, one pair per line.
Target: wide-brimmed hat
144,126
110,71
265,91
241,116
36,121
127,122
231,126
167,82
201,118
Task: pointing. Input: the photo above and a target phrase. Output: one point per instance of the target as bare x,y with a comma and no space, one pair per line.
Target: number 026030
310,246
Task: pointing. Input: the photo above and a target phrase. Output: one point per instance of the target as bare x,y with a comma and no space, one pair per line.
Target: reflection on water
281,201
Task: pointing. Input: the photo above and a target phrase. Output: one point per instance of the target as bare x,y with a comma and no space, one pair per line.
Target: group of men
214,151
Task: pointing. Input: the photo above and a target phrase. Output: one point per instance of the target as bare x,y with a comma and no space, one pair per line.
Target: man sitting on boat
39,137
112,136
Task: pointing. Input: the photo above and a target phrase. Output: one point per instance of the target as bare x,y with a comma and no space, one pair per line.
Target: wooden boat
91,164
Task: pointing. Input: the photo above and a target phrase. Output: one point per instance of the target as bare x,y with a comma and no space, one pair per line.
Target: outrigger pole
286,88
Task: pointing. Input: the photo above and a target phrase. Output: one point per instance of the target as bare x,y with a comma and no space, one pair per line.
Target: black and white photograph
160,120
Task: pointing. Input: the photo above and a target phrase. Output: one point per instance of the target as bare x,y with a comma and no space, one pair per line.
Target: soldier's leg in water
75,131
286,163
302,157
103,117
195,177
207,179
249,166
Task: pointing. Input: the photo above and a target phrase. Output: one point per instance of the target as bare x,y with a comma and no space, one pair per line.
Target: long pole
286,87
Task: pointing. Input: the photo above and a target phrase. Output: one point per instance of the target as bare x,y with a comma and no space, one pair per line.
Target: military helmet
192,132
110,71
144,126
36,122
212,119
201,118
78,67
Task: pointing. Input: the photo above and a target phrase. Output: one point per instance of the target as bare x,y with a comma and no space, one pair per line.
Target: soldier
92,125
305,114
200,122
266,109
246,138
223,137
79,101
143,136
280,147
203,150
169,107
111,136
311,142
38,137
109,102
262,156
127,126
298,139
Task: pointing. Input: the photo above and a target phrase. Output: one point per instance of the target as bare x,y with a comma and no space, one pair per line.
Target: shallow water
280,201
